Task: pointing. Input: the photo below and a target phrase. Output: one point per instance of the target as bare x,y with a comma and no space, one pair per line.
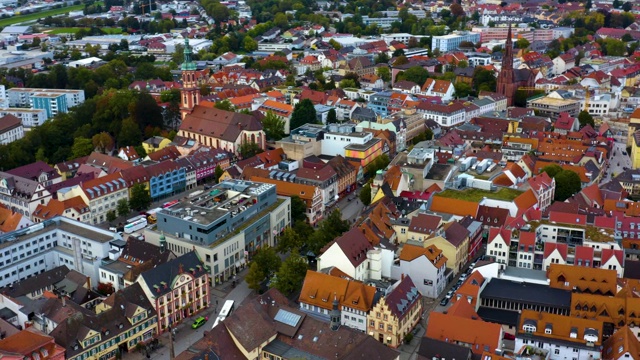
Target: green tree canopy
268,260
289,240
249,149
384,73
273,126
291,274
255,276
298,210
332,116
522,43
225,105
81,147
304,112
585,119
417,74
140,197
552,170
365,195
122,207
567,184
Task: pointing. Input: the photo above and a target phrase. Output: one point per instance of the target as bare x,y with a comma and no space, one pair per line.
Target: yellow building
454,245
634,124
395,315
635,150
121,322
155,143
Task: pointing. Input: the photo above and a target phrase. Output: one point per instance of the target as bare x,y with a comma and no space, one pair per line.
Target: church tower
506,84
190,92
334,314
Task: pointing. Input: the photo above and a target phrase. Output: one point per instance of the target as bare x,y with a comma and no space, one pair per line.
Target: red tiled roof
550,247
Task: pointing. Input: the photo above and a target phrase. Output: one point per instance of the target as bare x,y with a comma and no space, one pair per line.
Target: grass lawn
476,195
39,15
73,30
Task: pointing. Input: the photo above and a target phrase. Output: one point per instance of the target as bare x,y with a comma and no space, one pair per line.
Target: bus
226,310
135,226
152,216
136,218
169,204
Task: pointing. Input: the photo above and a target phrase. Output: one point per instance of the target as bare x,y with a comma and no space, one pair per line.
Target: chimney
64,301
402,276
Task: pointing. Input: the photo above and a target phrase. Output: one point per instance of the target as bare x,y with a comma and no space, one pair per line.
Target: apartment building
355,299
101,194
23,97
109,330
565,337
451,42
51,243
224,224
29,117
445,115
427,265
24,188
177,289
396,314
11,129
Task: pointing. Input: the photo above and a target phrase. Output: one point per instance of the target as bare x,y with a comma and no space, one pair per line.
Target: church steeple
190,92
506,84
188,63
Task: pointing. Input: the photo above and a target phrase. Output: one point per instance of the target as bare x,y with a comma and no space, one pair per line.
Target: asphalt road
616,158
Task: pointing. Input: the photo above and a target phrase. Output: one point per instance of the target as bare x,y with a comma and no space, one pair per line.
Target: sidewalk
183,330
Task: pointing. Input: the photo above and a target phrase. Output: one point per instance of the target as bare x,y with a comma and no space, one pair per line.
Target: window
556,351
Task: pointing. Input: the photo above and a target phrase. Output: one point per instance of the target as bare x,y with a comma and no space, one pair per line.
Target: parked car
624,153
508,336
444,302
199,322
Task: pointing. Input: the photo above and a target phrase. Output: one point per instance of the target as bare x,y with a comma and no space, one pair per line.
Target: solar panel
287,317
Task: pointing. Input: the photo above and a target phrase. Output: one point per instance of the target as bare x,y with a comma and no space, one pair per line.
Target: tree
102,141
552,170
417,74
382,58
627,6
522,43
105,289
145,71
254,277
365,195
462,64
298,210
111,215
483,79
336,45
289,240
140,198
400,60
347,83
456,10
332,117
130,133
627,37
585,118
81,147
291,274
273,126
122,207
268,260
463,89
384,73
225,105
304,112
218,173
249,149
568,183
249,44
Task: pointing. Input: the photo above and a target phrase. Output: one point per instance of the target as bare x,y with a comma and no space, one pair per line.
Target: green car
199,322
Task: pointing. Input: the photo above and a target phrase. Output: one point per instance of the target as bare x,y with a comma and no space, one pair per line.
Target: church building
219,129
510,79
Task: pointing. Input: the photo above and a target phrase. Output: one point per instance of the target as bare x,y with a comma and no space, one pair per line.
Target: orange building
31,344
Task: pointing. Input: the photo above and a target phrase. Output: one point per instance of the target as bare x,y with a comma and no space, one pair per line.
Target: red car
508,336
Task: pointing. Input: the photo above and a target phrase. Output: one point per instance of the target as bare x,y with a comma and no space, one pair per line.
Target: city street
185,335
617,162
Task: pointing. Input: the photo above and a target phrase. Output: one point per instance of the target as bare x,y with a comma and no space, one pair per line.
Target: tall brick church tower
190,92
506,84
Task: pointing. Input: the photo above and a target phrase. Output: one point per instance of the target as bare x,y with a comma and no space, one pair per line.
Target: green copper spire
188,63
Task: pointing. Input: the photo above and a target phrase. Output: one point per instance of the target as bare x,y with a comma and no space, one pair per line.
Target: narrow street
185,335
